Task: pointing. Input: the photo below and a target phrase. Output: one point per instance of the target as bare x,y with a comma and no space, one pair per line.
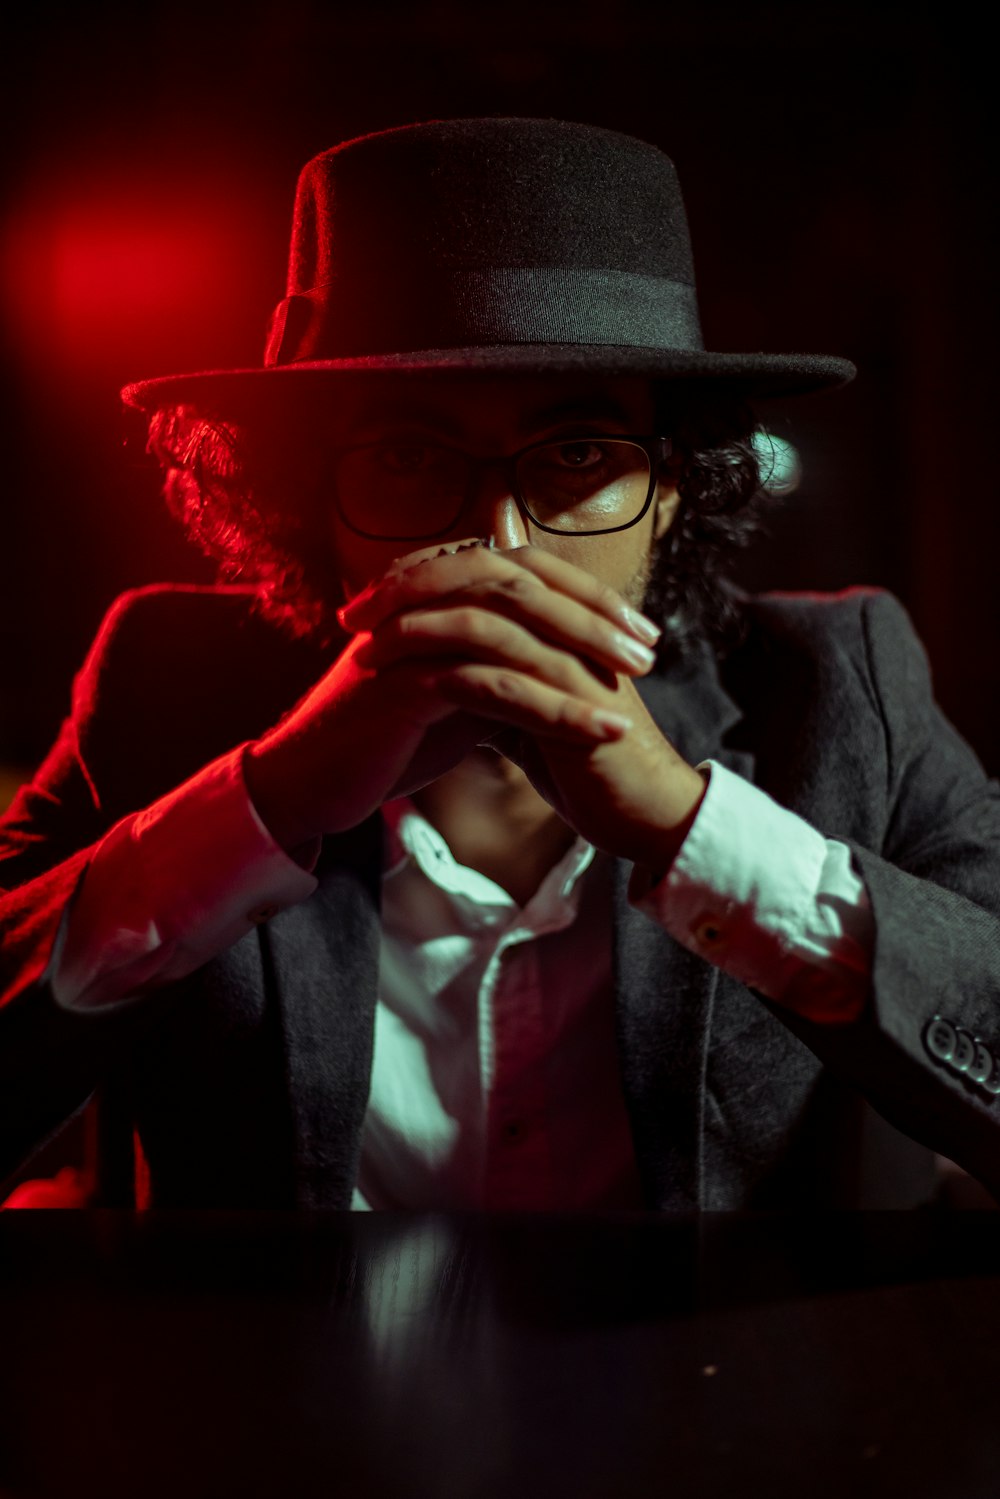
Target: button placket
517,1163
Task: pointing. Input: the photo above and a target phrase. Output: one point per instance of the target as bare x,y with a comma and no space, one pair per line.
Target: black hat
529,246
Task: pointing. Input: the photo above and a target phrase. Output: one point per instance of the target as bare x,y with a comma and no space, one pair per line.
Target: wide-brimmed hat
503,245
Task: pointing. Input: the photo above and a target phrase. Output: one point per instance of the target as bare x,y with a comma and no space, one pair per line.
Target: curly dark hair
244,487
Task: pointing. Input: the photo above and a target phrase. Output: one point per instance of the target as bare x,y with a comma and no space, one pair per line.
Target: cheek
616,559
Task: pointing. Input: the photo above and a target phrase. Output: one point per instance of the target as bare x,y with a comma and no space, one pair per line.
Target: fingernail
642,626
630,651
610,725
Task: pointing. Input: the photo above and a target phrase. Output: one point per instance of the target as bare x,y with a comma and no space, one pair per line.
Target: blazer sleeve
51,1059
177,676
926,1050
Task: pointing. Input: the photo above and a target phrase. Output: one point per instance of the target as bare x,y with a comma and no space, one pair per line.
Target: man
428,869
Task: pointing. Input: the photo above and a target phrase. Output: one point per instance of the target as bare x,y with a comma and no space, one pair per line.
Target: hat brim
760,375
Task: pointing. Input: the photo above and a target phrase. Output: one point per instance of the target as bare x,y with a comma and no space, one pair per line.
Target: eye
405,455
579,455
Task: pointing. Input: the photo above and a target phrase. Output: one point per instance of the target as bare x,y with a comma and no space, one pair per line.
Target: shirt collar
411,838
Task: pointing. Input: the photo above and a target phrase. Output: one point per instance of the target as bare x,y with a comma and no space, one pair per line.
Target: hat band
468,308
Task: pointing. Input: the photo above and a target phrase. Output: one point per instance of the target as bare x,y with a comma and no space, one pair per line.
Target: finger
511,589
485,635
425,575
408,578
481,638
521,702
564,622
576,583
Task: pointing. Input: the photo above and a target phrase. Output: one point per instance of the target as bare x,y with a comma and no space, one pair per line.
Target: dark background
840,185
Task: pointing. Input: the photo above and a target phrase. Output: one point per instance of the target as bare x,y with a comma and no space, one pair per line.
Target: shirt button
707,929
262,914
512,1131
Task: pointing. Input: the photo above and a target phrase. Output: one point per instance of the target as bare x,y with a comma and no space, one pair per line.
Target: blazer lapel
324,976
665,995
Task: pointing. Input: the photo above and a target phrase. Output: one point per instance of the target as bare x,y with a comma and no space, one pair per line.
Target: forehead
512,403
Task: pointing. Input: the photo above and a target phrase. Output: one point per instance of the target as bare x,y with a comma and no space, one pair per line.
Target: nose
492,512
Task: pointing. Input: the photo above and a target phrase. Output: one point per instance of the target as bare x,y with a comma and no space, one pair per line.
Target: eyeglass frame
656,447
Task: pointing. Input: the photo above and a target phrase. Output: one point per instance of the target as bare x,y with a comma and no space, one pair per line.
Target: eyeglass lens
412,489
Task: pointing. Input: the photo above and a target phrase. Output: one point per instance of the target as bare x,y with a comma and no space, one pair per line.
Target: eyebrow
594,408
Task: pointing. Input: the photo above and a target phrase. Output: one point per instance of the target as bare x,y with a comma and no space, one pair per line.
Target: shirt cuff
761,894
172,886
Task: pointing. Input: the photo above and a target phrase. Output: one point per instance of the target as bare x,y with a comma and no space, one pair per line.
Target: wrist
268,781
660,840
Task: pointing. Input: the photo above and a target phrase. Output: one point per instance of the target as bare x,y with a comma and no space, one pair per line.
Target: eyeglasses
406,489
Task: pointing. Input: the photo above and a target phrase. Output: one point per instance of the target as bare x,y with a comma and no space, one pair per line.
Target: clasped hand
464,646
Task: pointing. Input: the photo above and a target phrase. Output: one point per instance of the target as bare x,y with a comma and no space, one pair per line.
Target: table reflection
474,1356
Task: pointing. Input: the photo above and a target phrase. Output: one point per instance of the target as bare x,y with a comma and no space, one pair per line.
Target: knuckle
508,686
601,641
565,713
495,632
517,584
573,713
403,633
505,592
469,680
571,674
472,624
608,599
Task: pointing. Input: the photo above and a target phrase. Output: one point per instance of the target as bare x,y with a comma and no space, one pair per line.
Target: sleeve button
965,1050
981,1065
940,1039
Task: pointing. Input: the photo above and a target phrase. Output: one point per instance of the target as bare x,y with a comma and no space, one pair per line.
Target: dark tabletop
460,1357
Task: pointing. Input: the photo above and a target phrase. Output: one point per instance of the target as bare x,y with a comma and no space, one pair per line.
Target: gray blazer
247,1082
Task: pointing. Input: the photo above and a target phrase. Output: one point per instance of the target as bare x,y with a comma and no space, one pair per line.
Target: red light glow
102,269
111,279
